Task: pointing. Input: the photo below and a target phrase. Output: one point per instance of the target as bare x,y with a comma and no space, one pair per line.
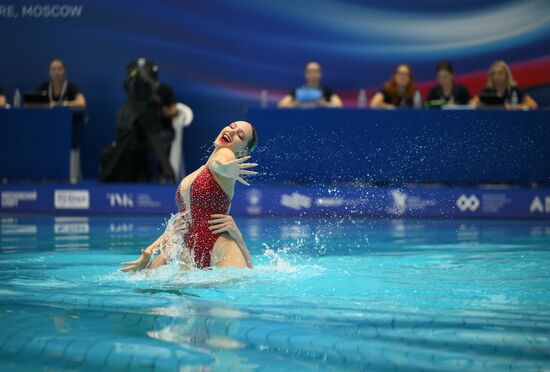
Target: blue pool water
325,294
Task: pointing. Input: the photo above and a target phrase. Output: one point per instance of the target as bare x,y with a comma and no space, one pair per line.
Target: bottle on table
514,100
17,99
451,101
362,98
417,100
263,98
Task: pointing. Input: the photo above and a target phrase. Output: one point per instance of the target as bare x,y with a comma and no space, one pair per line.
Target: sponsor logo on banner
540,205
330,202
467,203
11,199
494,202
129,200
72,199
254,197
402,203
296,201
145,200
399,202
120,199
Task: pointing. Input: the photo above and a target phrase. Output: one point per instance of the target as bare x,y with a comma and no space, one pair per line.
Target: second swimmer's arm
222,223
244,250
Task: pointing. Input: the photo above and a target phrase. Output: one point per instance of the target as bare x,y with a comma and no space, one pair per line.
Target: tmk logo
465,203
120,200
296,201
538,206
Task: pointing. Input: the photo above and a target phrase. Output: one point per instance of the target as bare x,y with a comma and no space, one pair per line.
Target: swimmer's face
235,137
402,76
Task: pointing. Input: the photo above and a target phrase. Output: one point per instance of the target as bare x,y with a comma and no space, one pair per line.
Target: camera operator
140,129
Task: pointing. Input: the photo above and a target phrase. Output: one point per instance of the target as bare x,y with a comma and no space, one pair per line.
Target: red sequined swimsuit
206,198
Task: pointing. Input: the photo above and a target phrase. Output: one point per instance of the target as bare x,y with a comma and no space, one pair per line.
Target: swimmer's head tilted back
239,136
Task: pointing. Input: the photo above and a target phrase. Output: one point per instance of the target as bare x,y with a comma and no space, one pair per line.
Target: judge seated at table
503,91
397,92
59,90
447,92
312,93
63,93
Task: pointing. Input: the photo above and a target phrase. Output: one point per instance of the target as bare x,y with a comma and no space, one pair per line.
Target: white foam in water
276,260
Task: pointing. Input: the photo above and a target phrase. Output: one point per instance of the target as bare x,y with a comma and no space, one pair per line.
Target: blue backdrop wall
218,55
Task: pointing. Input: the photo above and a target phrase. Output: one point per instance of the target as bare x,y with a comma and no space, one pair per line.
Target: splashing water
274,265
174,247
276,260
181,270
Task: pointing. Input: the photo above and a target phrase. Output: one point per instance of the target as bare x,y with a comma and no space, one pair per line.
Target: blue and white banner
87,199
388,203
90,199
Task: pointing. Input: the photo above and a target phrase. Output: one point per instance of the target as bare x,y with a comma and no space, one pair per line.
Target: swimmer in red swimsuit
204,198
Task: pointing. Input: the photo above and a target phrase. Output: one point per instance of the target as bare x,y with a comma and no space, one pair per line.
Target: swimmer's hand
222,223
138,264
236,169
180,225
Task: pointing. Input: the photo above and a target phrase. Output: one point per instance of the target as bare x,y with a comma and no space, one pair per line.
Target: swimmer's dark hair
252,142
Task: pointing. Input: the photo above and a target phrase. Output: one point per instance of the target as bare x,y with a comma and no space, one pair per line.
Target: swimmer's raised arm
225,164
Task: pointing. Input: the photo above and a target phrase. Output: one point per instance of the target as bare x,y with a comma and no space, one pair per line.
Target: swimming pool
329,294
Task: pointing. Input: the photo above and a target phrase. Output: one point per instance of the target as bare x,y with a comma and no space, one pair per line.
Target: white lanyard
61,94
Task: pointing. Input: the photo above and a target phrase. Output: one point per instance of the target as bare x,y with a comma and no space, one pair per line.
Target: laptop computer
35,99
491,99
